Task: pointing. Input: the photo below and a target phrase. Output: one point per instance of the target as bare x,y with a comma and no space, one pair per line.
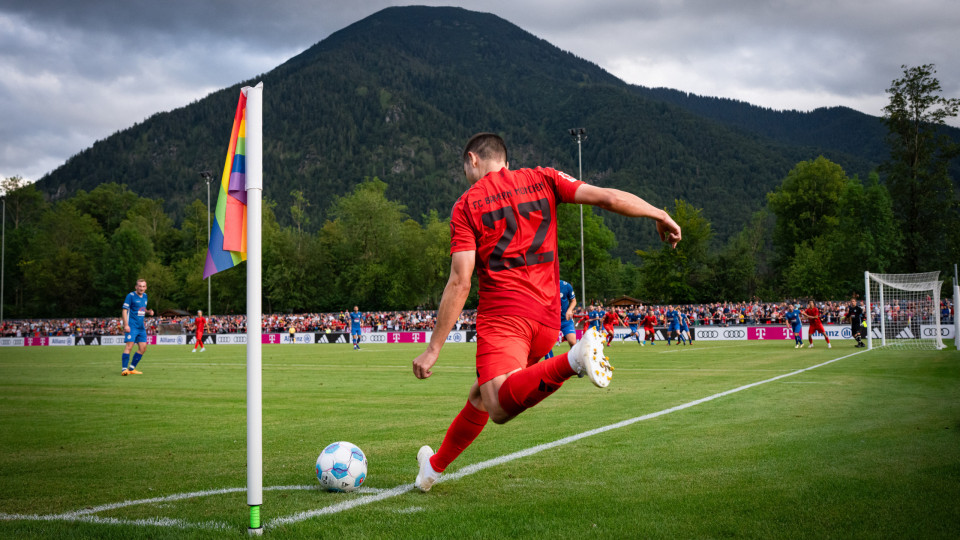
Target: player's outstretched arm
628,204
451,304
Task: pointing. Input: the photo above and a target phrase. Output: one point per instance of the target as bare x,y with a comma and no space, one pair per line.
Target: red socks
530,386
461,433
519,392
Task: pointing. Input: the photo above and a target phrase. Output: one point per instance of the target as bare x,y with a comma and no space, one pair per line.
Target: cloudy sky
74,72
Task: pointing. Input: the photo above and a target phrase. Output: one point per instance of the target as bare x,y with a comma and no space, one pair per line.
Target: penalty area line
477,467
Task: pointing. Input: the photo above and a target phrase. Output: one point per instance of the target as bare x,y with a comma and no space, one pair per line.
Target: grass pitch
867,446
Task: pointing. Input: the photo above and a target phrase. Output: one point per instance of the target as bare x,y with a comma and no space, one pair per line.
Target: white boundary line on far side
86,515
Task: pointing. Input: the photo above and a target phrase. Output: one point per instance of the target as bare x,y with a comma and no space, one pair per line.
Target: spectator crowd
720,314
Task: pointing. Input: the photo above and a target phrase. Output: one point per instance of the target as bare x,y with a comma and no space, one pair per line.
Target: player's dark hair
486,146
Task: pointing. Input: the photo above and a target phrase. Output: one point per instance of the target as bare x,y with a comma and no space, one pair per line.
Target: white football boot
587,359
427,476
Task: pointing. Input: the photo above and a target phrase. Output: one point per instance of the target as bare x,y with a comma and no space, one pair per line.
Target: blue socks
136,360
126,361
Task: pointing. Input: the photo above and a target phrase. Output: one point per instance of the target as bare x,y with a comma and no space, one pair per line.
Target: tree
806,204
24,207
60,264
917,172
24,204
741,270
603,276
125,255
867,237
681,274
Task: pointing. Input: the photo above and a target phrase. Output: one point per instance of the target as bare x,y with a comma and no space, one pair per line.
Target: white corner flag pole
254,177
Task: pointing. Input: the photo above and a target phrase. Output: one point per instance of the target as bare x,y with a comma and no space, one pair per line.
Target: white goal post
903,310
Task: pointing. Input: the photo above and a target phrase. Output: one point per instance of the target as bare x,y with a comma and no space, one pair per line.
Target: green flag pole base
255,529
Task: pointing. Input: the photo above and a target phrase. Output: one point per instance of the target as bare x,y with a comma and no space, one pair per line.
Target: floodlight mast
207,176
580,135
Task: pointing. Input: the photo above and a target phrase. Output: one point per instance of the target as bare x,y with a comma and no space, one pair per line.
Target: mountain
397,94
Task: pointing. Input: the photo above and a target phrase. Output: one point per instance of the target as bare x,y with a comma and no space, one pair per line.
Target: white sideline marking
477,467
85,515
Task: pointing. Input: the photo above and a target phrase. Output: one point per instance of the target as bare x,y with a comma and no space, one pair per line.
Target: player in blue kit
633,321
685,327
134,328
673,321
795,321
568,329
596,318
356,319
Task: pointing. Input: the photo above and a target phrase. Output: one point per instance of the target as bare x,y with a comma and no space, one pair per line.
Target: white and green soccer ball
342,466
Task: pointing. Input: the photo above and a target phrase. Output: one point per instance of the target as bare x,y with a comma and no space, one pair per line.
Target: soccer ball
341,466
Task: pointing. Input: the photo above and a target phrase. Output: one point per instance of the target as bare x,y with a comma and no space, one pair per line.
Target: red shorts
816,326
506,343
608,328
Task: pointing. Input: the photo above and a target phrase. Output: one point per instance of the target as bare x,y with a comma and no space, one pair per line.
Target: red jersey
813,313
649,321
609,318
200,322
509,219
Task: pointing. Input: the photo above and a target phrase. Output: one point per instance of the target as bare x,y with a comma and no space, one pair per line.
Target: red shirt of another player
649,321
813,313
509,219
609,318
201,322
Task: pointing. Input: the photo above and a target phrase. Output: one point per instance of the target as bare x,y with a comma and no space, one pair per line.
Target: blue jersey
355,319
684,321
598,315
136,307
566,295
633,319
674,317
793,317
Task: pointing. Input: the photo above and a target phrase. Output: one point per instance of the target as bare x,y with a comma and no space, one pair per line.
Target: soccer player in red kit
609,319
198,324
812,314
504,227
648,323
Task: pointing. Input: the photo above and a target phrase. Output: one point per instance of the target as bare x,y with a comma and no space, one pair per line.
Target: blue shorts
567,327
136,335
354,330
674,327
684,328
798,330
633,329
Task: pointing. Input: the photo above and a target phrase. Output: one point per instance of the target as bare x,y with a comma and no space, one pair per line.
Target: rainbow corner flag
228,236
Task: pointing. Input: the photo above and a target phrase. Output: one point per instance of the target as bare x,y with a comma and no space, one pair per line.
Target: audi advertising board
946,331
719,333
231,339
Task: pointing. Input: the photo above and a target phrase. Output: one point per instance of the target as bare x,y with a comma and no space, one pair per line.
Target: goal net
904,310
